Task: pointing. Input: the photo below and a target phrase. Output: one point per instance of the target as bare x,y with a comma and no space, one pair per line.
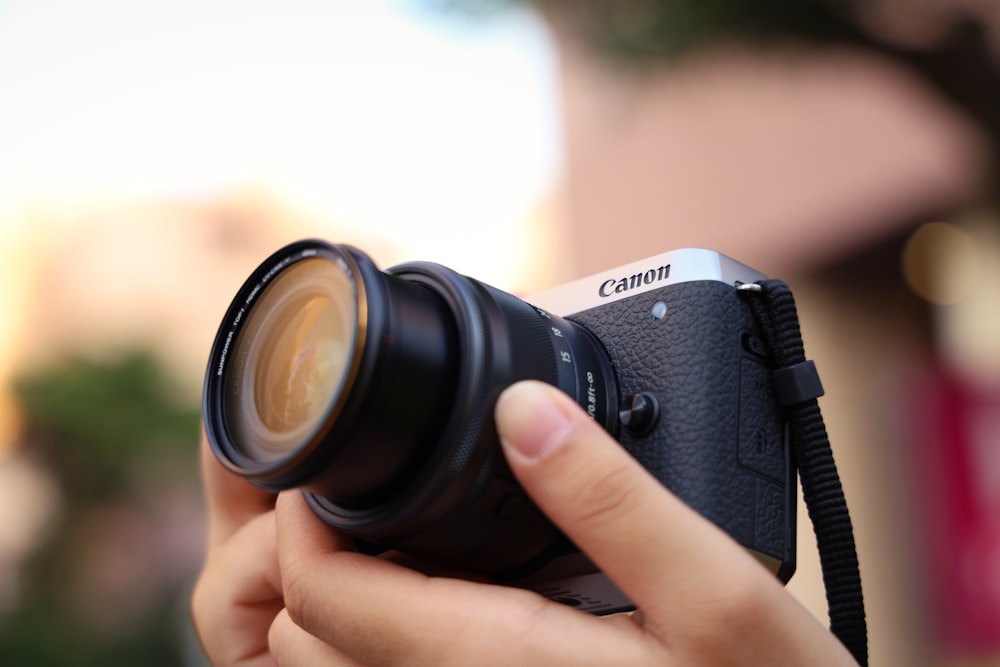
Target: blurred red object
955,428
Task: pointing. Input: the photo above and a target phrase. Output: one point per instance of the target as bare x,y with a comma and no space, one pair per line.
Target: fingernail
531,420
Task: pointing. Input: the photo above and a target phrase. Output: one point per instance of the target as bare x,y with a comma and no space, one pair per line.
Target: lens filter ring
274,381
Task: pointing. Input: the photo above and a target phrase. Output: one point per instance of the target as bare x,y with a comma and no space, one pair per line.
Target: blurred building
818,166
115,275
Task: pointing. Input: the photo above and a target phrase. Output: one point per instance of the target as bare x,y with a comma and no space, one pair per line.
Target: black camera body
400,450
677,331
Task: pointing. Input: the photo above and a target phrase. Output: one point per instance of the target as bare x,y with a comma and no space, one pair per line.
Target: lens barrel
374,391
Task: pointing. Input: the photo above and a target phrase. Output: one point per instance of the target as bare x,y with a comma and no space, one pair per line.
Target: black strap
797,386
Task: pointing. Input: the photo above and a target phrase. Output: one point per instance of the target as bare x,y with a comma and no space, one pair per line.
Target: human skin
280,588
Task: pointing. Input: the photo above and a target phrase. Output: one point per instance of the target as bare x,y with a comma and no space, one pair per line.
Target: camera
373,392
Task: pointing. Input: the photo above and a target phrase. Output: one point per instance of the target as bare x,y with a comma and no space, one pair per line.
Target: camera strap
797,386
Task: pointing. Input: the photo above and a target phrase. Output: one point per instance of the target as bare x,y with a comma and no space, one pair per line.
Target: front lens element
291,359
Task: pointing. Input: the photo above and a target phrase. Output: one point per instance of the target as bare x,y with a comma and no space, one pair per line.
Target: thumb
697,588
651,544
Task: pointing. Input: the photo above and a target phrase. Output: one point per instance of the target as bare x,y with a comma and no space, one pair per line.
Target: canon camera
373,392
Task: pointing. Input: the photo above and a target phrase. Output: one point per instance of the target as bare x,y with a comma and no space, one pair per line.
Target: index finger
231,500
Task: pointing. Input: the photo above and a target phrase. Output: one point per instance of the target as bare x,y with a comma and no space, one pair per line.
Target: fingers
663,555
292,646
238,595
702,596
380,613
231,500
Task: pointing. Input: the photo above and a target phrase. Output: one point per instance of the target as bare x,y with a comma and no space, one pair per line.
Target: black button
641,414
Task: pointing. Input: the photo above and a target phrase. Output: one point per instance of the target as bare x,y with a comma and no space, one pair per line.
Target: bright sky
434,132
376,113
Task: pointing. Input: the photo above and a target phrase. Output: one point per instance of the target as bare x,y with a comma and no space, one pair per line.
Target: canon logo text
614,286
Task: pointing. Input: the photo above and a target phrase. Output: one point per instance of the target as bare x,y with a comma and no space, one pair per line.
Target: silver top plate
669,268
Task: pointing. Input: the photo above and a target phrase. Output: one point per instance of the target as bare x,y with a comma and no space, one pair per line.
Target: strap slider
797,384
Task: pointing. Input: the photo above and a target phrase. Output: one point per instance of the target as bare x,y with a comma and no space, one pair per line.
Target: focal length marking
613,286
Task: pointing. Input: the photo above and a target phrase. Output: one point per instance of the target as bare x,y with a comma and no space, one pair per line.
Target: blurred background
151,154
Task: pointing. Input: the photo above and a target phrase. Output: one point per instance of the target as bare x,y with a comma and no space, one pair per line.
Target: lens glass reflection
291,359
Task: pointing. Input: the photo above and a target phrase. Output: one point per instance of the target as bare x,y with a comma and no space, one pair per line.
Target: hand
702,599
238,594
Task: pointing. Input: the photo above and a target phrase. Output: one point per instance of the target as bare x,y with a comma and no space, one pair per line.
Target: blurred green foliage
669,28
637,29
96,422
114,434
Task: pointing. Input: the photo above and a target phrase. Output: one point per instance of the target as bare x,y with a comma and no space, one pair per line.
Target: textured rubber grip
720,443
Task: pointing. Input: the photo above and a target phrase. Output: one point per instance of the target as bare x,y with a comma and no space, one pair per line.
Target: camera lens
329,374
291,359
373,391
